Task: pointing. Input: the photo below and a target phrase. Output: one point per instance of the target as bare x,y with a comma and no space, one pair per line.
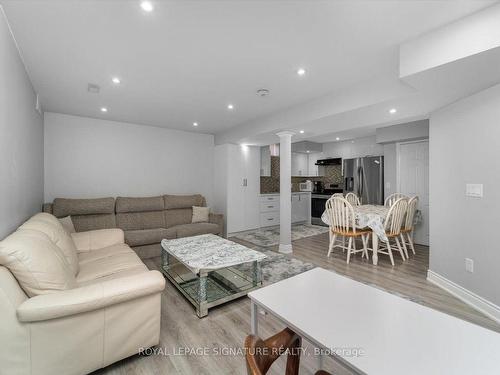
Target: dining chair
352,199
343,223
392,225
409,225
391,199
261,354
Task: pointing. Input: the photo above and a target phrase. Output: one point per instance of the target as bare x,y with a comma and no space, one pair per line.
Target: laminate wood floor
212,345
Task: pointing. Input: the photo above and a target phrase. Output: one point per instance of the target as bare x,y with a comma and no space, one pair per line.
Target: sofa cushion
129,204
187,230
178,216
140,220
148,251
67,224
36,262
48,224
112,262
183,201
84,223
105,252
70,207
148,236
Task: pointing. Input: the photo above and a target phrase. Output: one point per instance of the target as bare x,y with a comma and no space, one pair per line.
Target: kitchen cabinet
270,208
300,207
313,169
299,164
265,161
237,186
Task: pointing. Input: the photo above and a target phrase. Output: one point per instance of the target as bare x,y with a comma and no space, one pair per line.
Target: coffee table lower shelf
212,288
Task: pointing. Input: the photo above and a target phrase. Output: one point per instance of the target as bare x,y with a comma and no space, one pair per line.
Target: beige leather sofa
73,303
145,221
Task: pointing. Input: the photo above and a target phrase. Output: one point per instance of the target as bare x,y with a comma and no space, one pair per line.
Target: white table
397,336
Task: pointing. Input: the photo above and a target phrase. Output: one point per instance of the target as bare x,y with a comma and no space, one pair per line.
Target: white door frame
398,159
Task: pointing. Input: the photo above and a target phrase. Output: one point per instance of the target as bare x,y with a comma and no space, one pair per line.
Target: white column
285,191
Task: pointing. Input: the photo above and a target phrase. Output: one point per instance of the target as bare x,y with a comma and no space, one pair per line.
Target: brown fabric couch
145,221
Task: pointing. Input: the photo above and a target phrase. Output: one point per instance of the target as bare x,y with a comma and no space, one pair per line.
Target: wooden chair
408,225
391,199
261,354
342,223
352,199
393,223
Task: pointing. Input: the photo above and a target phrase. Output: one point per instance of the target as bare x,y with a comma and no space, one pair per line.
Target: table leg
375,248
254,318
202,309
256,274
320,361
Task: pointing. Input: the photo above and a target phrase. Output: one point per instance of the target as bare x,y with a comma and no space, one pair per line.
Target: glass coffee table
210,270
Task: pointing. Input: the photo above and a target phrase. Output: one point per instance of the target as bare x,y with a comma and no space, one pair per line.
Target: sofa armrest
90,297
217,219
97,239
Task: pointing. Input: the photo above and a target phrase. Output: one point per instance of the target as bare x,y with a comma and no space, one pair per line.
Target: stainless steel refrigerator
365,177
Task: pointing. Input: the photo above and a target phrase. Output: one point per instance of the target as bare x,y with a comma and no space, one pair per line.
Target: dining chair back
352,199
391,199
337,195
410,213
340,215
395,217
408,225
343,224
261,354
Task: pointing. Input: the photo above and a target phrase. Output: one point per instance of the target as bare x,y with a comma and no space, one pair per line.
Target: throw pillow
200,214
67,224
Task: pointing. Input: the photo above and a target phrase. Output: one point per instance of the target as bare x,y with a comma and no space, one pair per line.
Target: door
372,180
413,179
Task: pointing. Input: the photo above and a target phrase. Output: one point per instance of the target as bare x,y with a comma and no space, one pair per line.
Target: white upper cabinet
299,164
265,161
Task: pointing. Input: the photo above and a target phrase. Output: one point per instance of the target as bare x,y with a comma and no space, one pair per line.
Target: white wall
464,148
359,147
86,158
21,139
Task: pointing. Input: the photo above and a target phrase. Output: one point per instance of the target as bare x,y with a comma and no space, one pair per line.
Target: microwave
306,186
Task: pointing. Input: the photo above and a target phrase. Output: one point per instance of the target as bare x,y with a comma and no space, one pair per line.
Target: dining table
369,216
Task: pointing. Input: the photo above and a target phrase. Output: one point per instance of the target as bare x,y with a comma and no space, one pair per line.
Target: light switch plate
474,190
469,265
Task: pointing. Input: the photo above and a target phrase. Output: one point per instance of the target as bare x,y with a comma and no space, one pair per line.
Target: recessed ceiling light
116,80
104,109
147,6
337,139
195,124
301,131
301,71
392,111
230,106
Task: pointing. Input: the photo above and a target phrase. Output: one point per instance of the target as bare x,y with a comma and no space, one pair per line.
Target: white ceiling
187,60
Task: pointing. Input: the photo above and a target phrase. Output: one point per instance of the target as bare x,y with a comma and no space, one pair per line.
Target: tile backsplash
271,184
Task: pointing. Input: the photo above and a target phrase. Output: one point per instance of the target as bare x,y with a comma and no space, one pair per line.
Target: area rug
271,236
277,266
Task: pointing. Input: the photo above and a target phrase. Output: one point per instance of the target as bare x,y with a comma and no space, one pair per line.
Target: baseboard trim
479,303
